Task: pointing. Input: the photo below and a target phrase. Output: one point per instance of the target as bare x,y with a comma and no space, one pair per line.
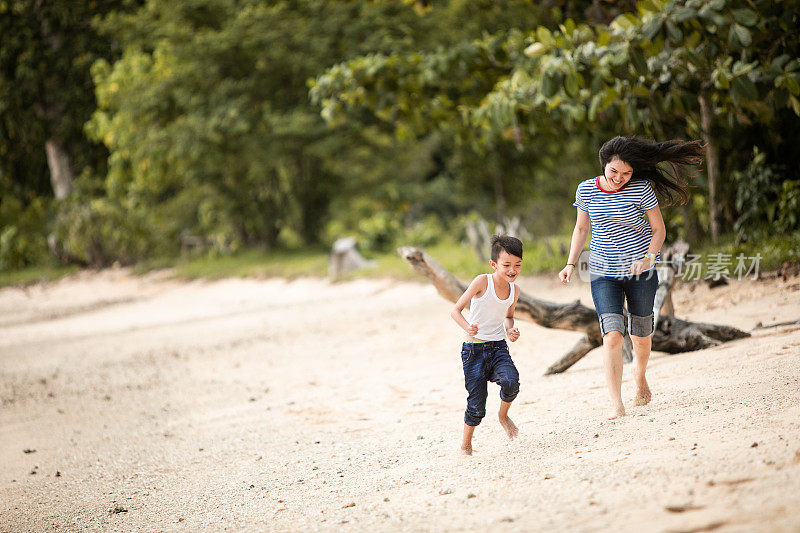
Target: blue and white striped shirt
620,231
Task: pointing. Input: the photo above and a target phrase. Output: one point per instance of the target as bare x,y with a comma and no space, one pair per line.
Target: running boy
484,355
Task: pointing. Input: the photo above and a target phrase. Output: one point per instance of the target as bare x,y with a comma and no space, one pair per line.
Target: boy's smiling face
507,266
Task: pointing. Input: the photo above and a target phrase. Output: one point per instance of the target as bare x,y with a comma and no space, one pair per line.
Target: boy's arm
456,313
511,331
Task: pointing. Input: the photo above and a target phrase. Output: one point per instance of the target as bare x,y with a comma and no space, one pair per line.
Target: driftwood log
672,335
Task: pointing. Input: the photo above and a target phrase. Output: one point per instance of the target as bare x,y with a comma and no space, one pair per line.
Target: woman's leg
608,296
612,364
640,293
641,353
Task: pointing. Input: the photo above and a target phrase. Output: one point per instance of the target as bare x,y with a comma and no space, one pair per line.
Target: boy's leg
466,440
511,429
475,383
504,373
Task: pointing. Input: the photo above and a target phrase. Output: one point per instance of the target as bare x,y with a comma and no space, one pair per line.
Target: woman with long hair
621,207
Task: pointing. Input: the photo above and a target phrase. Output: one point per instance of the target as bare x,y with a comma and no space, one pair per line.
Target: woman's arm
582,225
656,241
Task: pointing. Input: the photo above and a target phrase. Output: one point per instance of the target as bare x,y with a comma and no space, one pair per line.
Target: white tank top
489,312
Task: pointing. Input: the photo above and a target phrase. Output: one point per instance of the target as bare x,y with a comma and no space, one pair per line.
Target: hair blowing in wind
663,164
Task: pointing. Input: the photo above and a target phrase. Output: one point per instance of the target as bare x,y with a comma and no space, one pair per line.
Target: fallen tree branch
779,324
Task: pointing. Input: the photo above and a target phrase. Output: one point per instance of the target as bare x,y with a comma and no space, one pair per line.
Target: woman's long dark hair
645,156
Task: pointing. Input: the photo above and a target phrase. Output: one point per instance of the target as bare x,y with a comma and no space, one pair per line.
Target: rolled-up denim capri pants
609,294
484,362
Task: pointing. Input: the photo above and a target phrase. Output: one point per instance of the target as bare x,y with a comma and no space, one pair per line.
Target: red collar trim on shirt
597,182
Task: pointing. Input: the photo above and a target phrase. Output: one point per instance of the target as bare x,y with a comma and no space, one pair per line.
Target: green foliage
23,233
190,120
99,231
773,248
788,218
757,189
36,274
378,232
640,74
765,198
382,232
425,232
288,264
46,91
209,100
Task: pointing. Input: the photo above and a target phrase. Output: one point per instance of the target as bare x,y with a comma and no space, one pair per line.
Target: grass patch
775,249
257,263
460,259
36,274
544,255
540,256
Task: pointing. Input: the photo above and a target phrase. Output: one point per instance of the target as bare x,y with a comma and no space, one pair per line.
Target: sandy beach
145,403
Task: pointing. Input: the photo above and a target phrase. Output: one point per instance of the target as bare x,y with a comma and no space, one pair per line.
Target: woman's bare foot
643,394
509,426
466,451
618,412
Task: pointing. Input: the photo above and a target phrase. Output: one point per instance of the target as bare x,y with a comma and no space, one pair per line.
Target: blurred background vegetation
244,137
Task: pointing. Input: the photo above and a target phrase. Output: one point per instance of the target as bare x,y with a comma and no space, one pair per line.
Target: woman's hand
637,267
566,273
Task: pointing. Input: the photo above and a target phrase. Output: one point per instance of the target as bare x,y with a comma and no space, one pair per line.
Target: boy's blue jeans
609,294
484,362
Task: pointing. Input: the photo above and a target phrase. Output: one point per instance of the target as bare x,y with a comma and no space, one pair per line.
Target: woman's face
617,174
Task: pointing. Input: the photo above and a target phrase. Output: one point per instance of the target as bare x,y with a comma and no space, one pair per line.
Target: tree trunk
690,224
712,160
663,299
673,258
672,335
60,172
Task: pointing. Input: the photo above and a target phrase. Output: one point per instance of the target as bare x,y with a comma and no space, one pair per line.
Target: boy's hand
472,330
513,334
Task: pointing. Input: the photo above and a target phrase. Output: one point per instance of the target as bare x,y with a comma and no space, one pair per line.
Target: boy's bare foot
509,426
618,412
466,450
643,395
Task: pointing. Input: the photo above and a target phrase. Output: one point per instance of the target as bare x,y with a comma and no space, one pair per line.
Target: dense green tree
200,122
46,96
685,69
46,93
693,69
212,95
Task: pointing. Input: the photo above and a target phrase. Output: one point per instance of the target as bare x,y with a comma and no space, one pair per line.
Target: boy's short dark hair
511,245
